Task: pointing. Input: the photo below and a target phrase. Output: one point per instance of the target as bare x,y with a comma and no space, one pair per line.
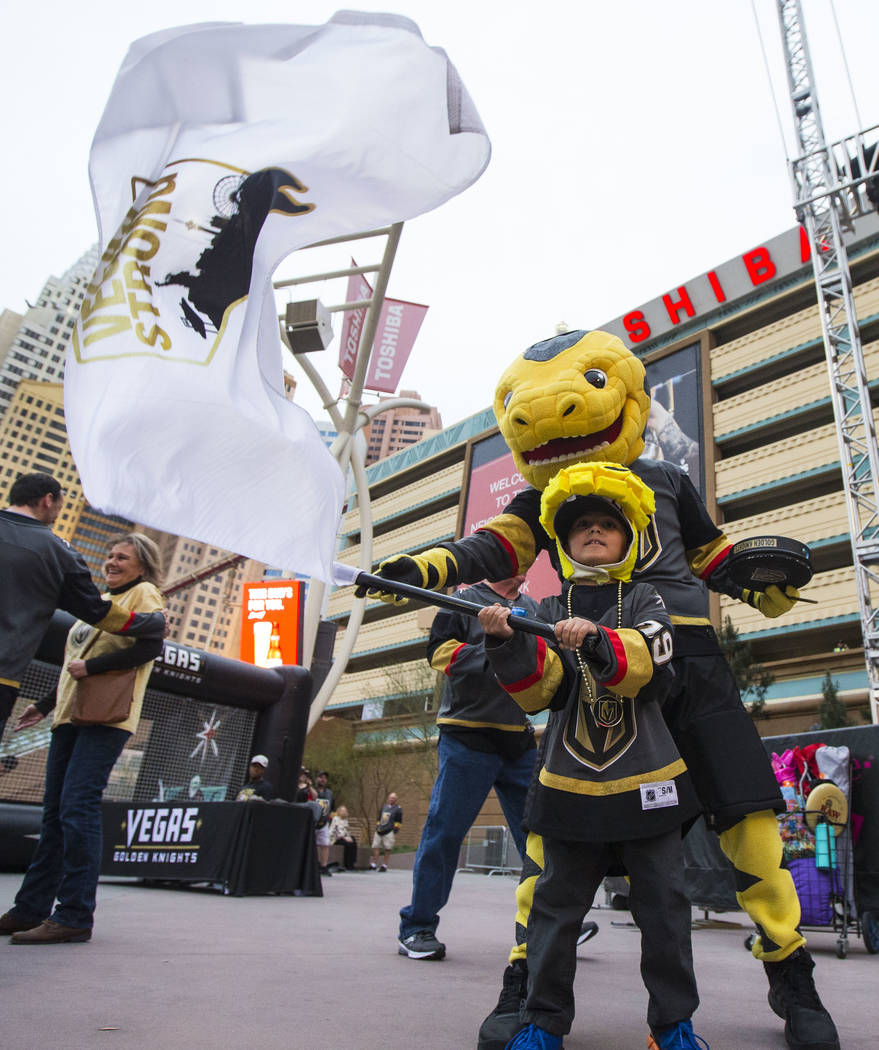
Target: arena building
736,363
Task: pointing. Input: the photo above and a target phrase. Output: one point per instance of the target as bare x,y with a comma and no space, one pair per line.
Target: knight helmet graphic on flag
195,230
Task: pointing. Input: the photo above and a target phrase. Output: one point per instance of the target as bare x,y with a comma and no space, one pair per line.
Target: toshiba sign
758,268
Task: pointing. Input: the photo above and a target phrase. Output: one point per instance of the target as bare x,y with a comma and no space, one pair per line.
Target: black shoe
326,872
587,931
422,945
793,996
503,1023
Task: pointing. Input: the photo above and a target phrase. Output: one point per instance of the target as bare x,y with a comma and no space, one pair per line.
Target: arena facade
735,357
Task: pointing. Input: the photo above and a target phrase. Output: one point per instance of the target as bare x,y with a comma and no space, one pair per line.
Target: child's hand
494,621
572,633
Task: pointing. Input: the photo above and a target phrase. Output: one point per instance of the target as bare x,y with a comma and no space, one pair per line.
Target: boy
612,788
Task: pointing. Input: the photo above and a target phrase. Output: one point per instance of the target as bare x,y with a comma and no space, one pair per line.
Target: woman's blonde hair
147,552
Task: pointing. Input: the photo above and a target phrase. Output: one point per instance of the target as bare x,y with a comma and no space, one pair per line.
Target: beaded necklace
607,709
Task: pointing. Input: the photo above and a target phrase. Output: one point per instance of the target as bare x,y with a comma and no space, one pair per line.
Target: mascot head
588,486
575,398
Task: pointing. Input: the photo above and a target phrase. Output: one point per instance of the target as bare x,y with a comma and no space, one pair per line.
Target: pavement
190,969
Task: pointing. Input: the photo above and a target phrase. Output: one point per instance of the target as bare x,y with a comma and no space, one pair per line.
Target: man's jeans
67,861
464,780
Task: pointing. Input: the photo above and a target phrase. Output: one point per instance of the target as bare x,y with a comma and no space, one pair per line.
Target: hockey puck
766,561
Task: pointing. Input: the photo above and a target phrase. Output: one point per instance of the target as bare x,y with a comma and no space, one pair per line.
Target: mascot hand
433,569
773,601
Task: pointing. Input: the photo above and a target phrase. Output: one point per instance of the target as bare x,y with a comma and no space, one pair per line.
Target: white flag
222,148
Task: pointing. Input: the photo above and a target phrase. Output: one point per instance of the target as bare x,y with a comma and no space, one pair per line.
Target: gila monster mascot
581,397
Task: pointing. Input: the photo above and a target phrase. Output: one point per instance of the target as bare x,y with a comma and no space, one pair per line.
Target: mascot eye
507,397
595,377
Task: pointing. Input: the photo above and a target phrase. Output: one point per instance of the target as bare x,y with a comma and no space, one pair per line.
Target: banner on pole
398,326
205,175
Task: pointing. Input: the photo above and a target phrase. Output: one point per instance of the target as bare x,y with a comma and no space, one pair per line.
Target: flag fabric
223,148
398,326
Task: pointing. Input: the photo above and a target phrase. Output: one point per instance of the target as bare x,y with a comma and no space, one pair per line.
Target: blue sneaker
534,1038
678,1036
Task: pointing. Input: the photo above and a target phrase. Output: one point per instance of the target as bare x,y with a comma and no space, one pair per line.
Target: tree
397,752
832,712
752,679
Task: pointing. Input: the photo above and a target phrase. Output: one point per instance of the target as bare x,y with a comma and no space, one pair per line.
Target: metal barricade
492,850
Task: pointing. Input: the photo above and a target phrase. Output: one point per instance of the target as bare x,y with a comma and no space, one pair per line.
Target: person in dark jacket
257,786
485,742
612,787
42,573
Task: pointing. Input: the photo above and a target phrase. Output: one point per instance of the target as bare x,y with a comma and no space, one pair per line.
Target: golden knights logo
649,546
194,228
599,746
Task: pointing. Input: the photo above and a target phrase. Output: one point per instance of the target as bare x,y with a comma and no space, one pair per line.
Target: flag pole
348,450
345,451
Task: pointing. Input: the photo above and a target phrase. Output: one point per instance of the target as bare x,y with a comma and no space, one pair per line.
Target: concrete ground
176,969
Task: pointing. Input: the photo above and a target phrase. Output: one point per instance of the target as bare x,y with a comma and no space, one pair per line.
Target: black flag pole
346,575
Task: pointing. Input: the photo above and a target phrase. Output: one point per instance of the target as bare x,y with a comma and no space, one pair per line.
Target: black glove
432,570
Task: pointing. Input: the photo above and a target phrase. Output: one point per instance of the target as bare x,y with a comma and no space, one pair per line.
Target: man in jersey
582,397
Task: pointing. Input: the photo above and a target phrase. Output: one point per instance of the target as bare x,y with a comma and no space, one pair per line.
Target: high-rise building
398,428
206,612
33,437
10,322
37,349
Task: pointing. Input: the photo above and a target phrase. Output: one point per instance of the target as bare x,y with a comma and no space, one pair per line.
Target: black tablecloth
710,876
246,847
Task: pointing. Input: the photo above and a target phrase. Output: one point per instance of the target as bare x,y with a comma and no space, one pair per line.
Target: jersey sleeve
635,661
706,545
527,668
505,546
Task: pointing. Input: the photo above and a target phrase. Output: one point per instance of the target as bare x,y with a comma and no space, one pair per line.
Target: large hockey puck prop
766,561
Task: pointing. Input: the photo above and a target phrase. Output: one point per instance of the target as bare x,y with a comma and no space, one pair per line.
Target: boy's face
596,538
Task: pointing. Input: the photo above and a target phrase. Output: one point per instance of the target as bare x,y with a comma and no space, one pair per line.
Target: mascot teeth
563,448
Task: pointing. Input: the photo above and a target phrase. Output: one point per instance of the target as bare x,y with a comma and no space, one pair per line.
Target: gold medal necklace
607,709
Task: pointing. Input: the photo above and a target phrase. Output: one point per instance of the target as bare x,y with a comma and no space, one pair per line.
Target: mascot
582,397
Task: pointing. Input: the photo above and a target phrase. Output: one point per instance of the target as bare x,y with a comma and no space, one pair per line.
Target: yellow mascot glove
432,569
773,601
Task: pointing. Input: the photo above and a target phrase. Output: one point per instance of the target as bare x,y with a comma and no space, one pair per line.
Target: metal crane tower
831,184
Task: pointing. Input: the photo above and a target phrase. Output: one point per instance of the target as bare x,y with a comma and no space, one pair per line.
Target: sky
635,145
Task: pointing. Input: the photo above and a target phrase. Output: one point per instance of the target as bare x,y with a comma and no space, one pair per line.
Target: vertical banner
398,327
352,326
399,323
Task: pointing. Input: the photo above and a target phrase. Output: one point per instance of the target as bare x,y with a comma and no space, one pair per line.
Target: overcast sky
635,145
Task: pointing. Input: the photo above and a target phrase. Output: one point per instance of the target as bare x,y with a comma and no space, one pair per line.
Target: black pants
349,853
715,734
563,894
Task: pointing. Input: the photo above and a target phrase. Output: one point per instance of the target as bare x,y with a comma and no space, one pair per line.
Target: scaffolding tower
833,185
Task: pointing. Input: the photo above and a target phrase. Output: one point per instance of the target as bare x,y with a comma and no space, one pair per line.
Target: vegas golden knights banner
223,148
